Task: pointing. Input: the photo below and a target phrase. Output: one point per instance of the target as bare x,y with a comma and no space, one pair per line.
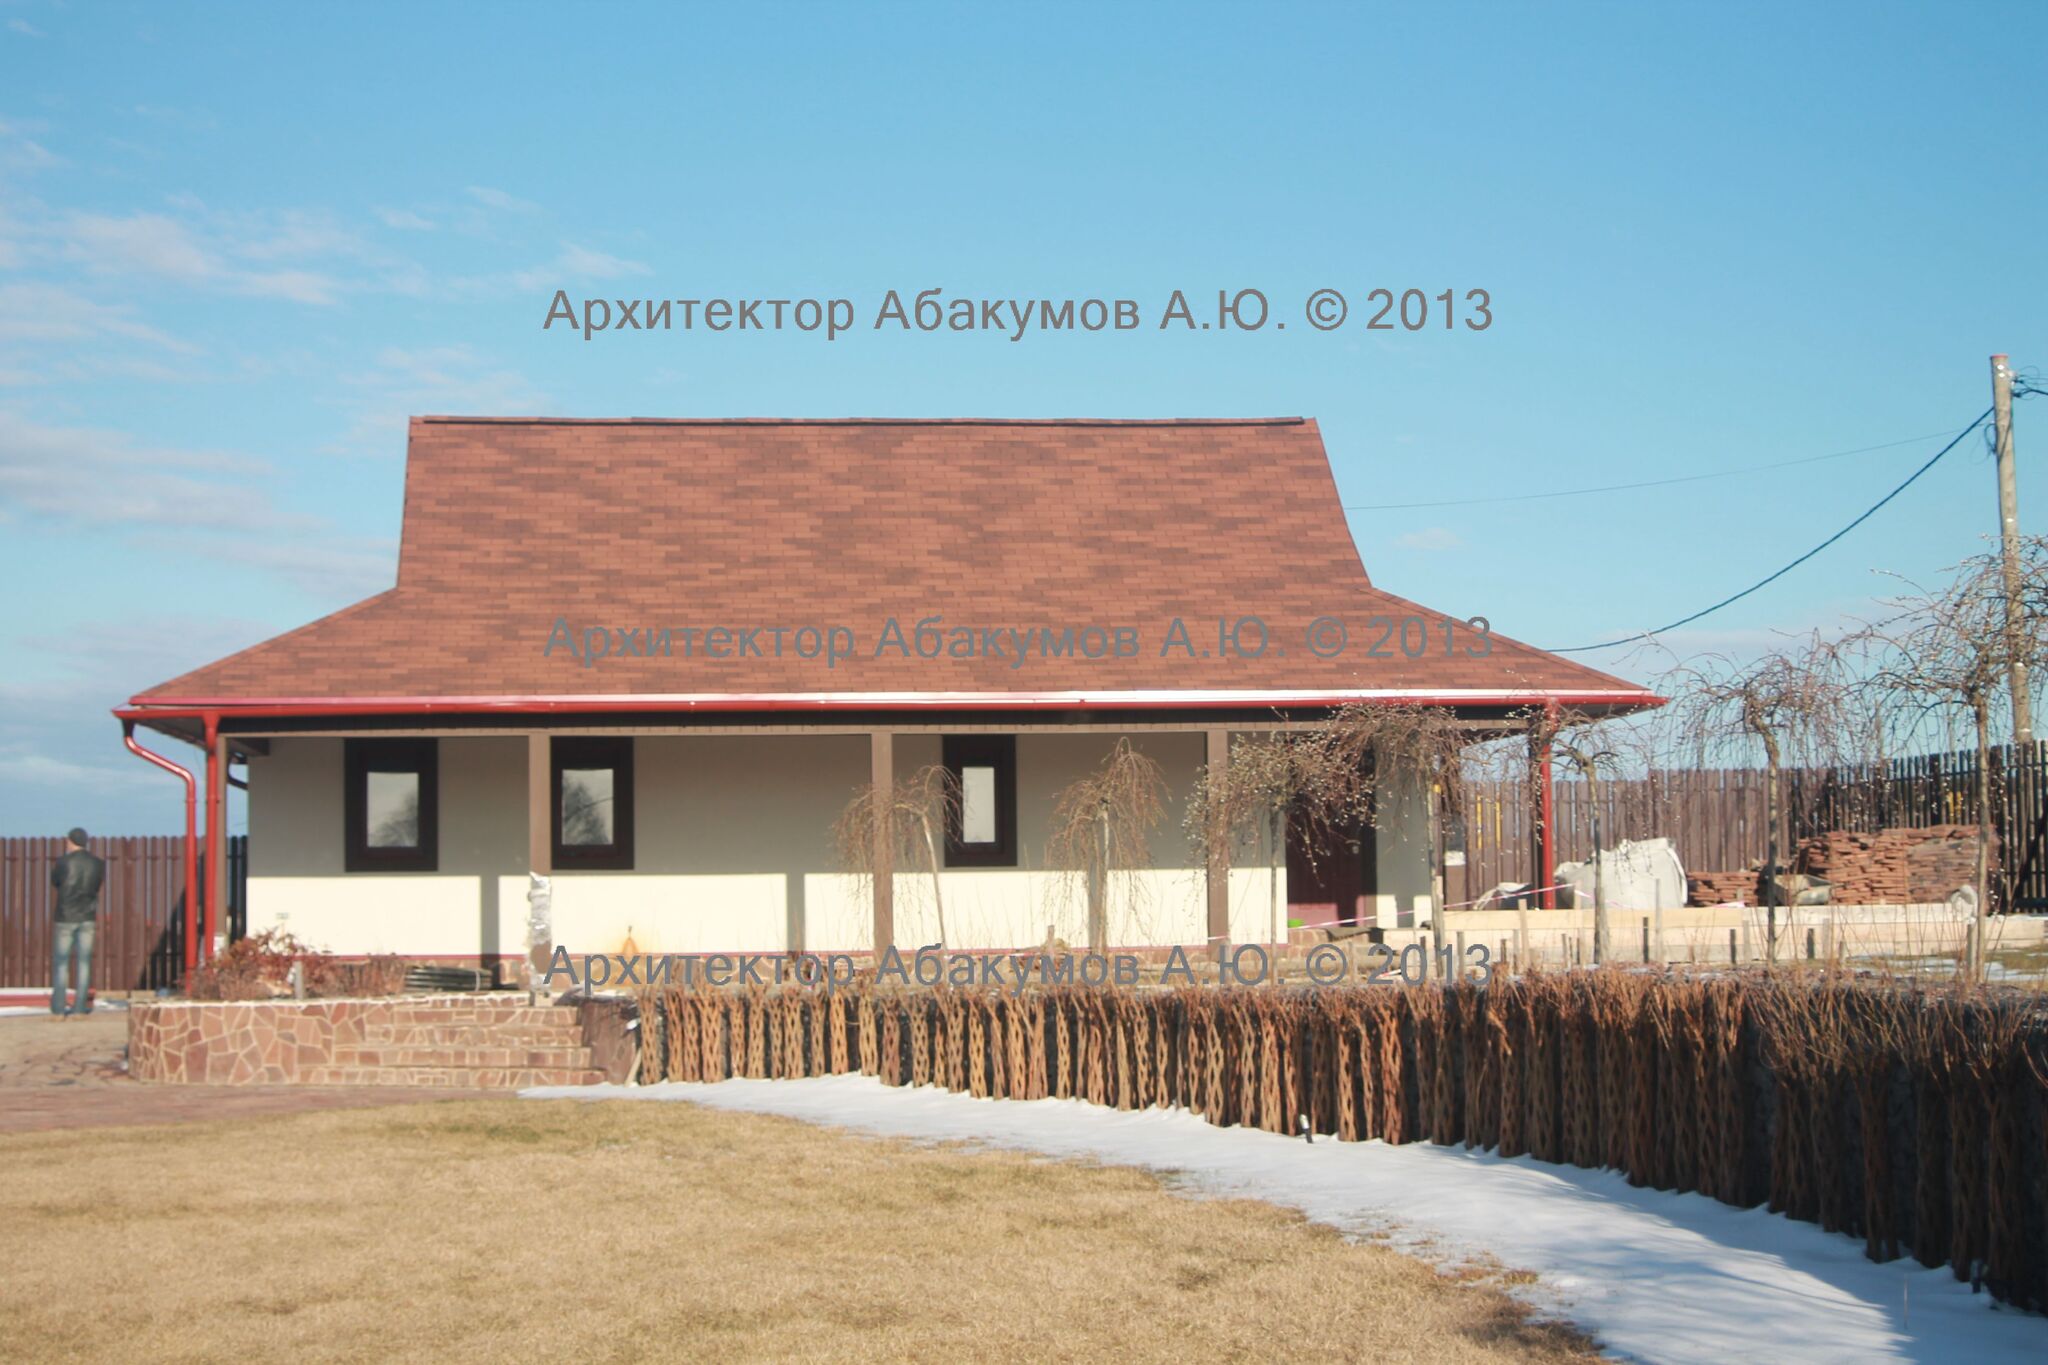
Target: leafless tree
1796,703
1948,649
1324,778
1103,823
911,823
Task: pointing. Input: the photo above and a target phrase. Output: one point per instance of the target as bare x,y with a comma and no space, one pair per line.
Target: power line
1729,601
1646,483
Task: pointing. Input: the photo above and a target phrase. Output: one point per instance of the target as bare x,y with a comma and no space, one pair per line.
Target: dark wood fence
1716,816
141,939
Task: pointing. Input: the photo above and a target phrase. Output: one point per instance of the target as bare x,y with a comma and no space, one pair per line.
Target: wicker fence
1912,1120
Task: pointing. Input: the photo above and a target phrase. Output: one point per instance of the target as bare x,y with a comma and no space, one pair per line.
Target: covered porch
697,834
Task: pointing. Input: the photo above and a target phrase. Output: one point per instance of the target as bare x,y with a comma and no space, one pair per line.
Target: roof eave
1165,699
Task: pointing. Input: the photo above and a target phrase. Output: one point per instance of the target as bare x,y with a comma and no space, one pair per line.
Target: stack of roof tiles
1724,888
1893,866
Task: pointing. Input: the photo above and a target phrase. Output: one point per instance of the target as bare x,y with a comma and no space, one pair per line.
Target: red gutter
199,708
191,836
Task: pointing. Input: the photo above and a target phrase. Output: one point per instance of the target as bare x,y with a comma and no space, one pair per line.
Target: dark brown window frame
360,758
593,751
983,751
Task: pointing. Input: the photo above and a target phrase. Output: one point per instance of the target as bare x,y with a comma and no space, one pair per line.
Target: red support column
1549,849
216,833
1546,847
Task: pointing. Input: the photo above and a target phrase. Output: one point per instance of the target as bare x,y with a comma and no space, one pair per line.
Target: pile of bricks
1893,866
1723,888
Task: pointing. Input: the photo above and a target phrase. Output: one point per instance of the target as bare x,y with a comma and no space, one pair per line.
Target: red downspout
1547,846
191,837
216,842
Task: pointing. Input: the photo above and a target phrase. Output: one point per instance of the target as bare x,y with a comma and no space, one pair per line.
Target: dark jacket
77,877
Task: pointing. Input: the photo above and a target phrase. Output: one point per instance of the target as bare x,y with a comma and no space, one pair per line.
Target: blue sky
240,244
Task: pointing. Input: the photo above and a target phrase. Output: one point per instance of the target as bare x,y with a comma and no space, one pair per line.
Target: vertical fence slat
1717,817
138,945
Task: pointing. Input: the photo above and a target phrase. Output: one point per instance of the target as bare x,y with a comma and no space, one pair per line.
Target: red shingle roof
512,525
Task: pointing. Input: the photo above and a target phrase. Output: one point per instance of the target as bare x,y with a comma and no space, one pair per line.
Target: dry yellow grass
546,1231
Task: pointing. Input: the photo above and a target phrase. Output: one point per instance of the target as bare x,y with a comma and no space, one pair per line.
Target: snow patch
1656,1276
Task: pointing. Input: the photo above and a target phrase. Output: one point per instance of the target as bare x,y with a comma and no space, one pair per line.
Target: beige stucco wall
734,853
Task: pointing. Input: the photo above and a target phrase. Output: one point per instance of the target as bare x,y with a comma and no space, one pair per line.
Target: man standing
77,877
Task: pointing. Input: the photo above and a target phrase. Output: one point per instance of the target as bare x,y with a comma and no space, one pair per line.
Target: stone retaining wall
461,1040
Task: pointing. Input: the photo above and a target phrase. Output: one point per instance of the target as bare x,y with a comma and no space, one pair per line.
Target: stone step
471,1035
456,1077
502,1055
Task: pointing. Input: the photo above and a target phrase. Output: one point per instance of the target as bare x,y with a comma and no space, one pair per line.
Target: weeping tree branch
1323,780
911,823
1950,649
1102,823
1797,704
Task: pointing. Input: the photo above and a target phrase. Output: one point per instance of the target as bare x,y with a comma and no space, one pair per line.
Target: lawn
626,1231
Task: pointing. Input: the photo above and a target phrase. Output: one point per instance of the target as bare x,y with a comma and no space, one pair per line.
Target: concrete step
472,1035
511,1055
454,1077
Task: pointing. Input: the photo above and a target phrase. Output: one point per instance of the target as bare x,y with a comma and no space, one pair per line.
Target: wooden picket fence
1716,816
141,939
1912,1119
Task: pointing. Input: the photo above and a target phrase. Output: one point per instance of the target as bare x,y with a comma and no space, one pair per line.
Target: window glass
393,810
977,805
587,811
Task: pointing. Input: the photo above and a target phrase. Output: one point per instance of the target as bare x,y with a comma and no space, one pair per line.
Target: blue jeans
66,942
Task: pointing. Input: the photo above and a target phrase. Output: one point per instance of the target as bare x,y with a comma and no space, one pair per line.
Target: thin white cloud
579,264
405,382
158,246
25,28
140,244
500,200
404,220
184,119
100,477
337,570
42,770
181,503
31,312
1430,538
296,286
20,152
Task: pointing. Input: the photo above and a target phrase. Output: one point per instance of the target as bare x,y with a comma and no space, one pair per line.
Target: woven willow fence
1914,1120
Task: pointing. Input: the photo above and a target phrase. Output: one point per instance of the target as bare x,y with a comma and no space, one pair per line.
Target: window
983,830
593,803
391,805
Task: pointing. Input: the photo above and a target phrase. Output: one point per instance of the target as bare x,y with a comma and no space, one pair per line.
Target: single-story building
654,660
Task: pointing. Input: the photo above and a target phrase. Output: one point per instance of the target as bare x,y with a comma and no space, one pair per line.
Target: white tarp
1635,875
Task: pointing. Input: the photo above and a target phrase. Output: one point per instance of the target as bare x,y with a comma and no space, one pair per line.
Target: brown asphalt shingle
513,524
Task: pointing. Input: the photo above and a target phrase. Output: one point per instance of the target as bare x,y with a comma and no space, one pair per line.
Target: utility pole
2009,547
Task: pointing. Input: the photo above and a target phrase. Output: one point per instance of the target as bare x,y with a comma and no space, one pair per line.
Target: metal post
2009,548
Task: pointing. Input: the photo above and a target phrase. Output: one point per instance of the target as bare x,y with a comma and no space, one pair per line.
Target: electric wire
1645,483
1869,512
